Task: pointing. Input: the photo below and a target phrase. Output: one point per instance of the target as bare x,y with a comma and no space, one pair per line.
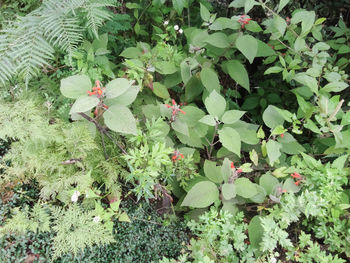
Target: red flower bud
232,165
282,135
239,171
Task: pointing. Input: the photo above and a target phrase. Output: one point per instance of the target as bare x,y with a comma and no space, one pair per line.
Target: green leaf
264,50
228,191
124,217
268,182
254,157
308,81
260,196
307,19
282,4
237,3
255,232
84,104
274,116
230,139
248,5
273,150
212,172
209,120
178,6
119,118
226,170
253,27
210,79
215,104
160,90
218,39
180,126
201,195
232,116
117,87
238,73
204,12
290,186
131,52
166,67
126,98
248,46
280,25
300,44
193,88
274,69
245,188
75,86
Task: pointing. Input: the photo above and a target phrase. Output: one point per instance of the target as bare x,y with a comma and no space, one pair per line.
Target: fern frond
8,68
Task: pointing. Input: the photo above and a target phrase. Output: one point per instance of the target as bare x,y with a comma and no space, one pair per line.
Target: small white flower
181,31
273,260
75,196
176,27
166,22
96,219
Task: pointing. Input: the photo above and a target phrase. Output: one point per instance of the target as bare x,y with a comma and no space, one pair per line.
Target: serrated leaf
282,4
117,87
84,103
209,120
201,195
215,104
248,46
232,116
120,119
238,73
75,86
160,90
230,139
180,126
280,24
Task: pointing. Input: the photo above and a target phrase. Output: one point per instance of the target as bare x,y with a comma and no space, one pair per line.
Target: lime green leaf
230,139
117,87
232,116
219,40
228,191
238,73
215,104
253,155
119,118
308,81
201,195
210,79
124,217
84,103
248,47
75,86
160,90
212,172
282,4
204,12
273,150
180,126
281,172
245,188
280,24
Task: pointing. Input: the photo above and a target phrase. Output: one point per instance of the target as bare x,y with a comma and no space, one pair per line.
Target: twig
335,111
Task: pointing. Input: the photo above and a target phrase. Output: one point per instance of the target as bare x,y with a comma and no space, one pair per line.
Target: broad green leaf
308,81
255,232
226,169
215,104
248,5
119,118
282,4
238,73
260,196
280,24
264,50
201,195
178,6
222,23
229,207
290,186
245,188
248,46
84,103
117,87
273,150
131,52
274,116
204,12
237,3
232,116
230,139
218,39
269,182
75,86
339,163
228,191
124,217
126,98
160,90
300,44
180,126
212,172
253,27
307,19
193,88
210,79
209,120
165,67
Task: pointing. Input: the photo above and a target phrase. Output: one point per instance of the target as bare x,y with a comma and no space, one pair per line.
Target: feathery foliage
27,44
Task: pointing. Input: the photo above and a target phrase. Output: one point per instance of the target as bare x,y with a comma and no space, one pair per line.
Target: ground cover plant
174,131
